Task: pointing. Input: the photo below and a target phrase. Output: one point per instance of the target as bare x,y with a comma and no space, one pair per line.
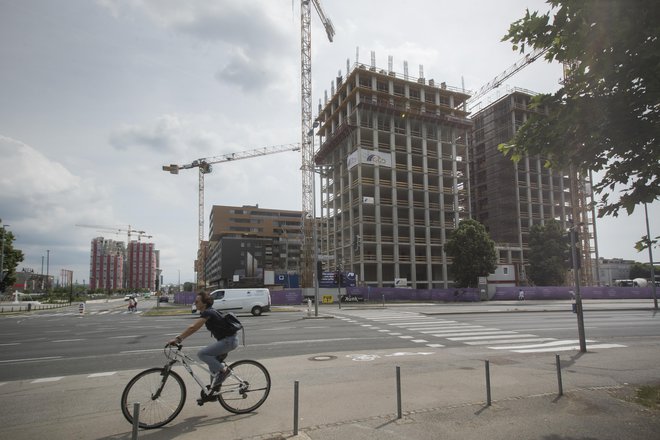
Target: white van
255,301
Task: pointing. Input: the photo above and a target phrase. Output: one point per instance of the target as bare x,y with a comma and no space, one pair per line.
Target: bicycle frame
182,358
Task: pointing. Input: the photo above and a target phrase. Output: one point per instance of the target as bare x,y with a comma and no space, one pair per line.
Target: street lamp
314,233
578,297
650,245
2,253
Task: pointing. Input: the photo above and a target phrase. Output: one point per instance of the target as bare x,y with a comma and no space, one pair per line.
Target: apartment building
394,177
245,241
141,269
106,264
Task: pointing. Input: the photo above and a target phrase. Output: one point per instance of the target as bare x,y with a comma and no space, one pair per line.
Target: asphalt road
64,343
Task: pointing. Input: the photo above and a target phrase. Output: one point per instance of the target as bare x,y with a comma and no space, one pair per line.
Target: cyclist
213,353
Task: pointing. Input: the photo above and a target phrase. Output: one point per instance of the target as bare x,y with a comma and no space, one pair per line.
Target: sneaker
219,377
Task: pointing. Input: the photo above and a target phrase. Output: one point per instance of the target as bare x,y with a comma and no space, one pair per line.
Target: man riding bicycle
214,353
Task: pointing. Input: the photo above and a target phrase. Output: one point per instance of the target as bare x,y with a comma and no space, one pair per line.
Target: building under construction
393,160
508,197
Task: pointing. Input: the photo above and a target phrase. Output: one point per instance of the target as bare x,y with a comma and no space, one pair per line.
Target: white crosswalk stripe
455,331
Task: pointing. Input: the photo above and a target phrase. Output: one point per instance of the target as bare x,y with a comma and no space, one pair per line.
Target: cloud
254,37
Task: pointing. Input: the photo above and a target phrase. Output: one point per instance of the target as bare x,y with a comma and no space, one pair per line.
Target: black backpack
225,324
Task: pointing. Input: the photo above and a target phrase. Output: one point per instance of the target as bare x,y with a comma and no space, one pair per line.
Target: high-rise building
245,241
394,178
508,198
106,267
142,264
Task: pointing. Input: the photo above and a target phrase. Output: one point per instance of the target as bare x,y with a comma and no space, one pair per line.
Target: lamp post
578,297
2,253
314,226
47,269
650,245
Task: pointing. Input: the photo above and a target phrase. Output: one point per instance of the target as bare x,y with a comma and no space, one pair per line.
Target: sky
97,95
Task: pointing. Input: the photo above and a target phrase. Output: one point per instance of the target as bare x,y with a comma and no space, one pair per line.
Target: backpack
226,324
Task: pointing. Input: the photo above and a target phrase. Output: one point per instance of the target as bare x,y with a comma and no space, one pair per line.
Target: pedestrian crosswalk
436,332
77,313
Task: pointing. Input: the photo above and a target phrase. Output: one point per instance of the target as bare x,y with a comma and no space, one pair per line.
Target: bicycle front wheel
246,388
160,393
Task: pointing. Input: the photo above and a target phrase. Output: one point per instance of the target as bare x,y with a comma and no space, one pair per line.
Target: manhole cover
322,358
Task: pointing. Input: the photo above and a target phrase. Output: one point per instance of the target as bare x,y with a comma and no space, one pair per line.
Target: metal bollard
488,400
136,420
398,392
295,408
309,307
561,388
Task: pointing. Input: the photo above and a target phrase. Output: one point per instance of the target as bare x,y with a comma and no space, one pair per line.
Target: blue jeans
210,353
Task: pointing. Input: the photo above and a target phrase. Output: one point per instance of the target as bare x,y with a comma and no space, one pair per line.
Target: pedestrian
226,339
521,295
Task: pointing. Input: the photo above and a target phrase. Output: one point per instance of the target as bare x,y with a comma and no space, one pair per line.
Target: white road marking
572,347
473,338
9,343
48,379
419,340
509,341
434,345
68,340
8,361
108,373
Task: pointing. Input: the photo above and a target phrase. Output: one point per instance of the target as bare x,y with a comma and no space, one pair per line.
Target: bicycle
161,392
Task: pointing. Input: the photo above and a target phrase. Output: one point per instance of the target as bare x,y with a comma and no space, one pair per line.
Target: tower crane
130,231
509,72
307,129
204,166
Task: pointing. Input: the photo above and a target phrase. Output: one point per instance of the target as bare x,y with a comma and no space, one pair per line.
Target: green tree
11,258
641,270
472,252
606,117
547,249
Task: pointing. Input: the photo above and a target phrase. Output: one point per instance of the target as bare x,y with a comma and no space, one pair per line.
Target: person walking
226,338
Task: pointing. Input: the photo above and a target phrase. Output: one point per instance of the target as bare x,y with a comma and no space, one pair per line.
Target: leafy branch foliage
606,117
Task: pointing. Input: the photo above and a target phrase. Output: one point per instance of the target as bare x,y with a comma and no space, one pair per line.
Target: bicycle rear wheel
161,394
246,388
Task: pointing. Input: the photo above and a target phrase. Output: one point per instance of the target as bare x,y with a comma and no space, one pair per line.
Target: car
163,299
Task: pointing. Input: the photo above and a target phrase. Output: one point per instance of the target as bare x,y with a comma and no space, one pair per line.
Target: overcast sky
96,96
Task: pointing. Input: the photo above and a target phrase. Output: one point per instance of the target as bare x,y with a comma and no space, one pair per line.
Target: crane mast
307,134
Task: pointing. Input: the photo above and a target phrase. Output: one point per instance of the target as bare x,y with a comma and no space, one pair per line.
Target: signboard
348,279
400,282
328,299
369,157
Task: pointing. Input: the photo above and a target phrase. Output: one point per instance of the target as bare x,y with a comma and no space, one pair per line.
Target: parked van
255,301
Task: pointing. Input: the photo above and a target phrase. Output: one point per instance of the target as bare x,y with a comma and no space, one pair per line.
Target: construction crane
129,232
499,79
307,129
204,166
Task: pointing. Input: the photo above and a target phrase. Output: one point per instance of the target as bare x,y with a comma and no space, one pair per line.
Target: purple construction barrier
376,294
286,297
564,292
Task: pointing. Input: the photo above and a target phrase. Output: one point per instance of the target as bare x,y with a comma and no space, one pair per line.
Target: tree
641,270
606,117
10,260
547,249
472,252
